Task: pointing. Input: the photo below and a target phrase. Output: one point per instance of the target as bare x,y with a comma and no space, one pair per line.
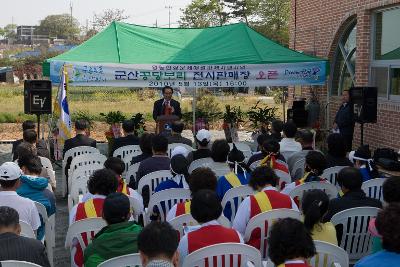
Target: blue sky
29,12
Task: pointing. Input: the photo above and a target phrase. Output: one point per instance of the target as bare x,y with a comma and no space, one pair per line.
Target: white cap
203,134
10,171
179,150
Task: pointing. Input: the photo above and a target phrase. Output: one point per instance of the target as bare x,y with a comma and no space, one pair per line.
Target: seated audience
40,145
15,247
263,180
36,188
276,129
101,183
391,194
118,166
206,208
28,144
269,153
363,161
80,139
388,225
219,154
129,138
336,155
306,139
203,138
120,235
145,147
314,167
10,174
159,161
180,175
350,181
158,243
176,134
290,244
200,178
289,146
314,205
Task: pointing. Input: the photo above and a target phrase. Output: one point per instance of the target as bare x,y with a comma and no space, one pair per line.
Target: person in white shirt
10,174
263,180
206,209
289,146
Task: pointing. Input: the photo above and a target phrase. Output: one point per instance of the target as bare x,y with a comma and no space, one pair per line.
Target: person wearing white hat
10,174
203,138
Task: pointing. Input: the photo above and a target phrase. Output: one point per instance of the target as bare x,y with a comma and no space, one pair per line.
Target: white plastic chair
331,175
328,188
131,173
373,188
50,231
172,146
123,261
127,151
26,230
164,200
73,152
236,194
89,226
356,239
204,162
137,208
263,221
152,180
18,264
329,255
284,178
220,169
254,165
227,254
78,189
86,161
298,169
46,163
82,172
244,147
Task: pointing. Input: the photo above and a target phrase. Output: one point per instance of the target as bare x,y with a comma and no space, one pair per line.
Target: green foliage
9,30
241,9
60,26
203,13
139,122
84,115
233,115
278,94
207,107
113,117
261,116
6,117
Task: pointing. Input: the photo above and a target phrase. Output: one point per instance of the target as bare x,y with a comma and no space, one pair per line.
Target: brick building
361,40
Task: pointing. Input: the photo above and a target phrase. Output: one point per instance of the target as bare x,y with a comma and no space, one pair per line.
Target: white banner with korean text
196,76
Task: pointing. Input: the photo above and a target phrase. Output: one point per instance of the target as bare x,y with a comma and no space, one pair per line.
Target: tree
102,20
61,26
241,9
203,13
10,31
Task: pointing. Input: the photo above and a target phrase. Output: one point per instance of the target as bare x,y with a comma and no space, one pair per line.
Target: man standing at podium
167,105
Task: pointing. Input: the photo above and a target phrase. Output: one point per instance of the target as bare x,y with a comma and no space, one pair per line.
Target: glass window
387,35
380,79
395,81
344,67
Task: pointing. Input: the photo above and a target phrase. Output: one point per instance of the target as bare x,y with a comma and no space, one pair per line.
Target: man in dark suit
344,120
128,129
167,105
79,140
176,134
16,247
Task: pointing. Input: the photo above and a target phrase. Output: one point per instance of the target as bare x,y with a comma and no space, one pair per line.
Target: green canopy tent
234,55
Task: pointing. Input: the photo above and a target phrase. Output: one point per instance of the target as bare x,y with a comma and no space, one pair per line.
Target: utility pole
169,15
156,24
70,8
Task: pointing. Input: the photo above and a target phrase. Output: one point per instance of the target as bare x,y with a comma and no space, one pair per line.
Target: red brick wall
318,28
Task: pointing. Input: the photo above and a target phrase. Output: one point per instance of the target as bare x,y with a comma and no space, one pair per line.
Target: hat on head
179,164
203,134
179,150
10,171
362,153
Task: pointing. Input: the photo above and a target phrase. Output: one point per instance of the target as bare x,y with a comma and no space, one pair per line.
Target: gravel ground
61,255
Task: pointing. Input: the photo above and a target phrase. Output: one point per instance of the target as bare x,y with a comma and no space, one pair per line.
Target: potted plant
232,117
139,122
113,119
261,117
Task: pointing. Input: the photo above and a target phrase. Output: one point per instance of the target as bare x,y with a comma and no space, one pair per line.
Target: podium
164,120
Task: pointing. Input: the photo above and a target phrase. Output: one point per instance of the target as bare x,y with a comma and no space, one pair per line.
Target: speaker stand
362,133
38,125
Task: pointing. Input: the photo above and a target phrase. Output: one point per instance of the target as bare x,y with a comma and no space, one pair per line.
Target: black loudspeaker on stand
37,98
365,104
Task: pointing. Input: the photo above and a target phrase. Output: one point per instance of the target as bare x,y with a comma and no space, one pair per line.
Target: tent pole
194,110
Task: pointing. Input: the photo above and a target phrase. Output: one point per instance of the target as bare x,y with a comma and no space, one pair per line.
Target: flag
61,113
